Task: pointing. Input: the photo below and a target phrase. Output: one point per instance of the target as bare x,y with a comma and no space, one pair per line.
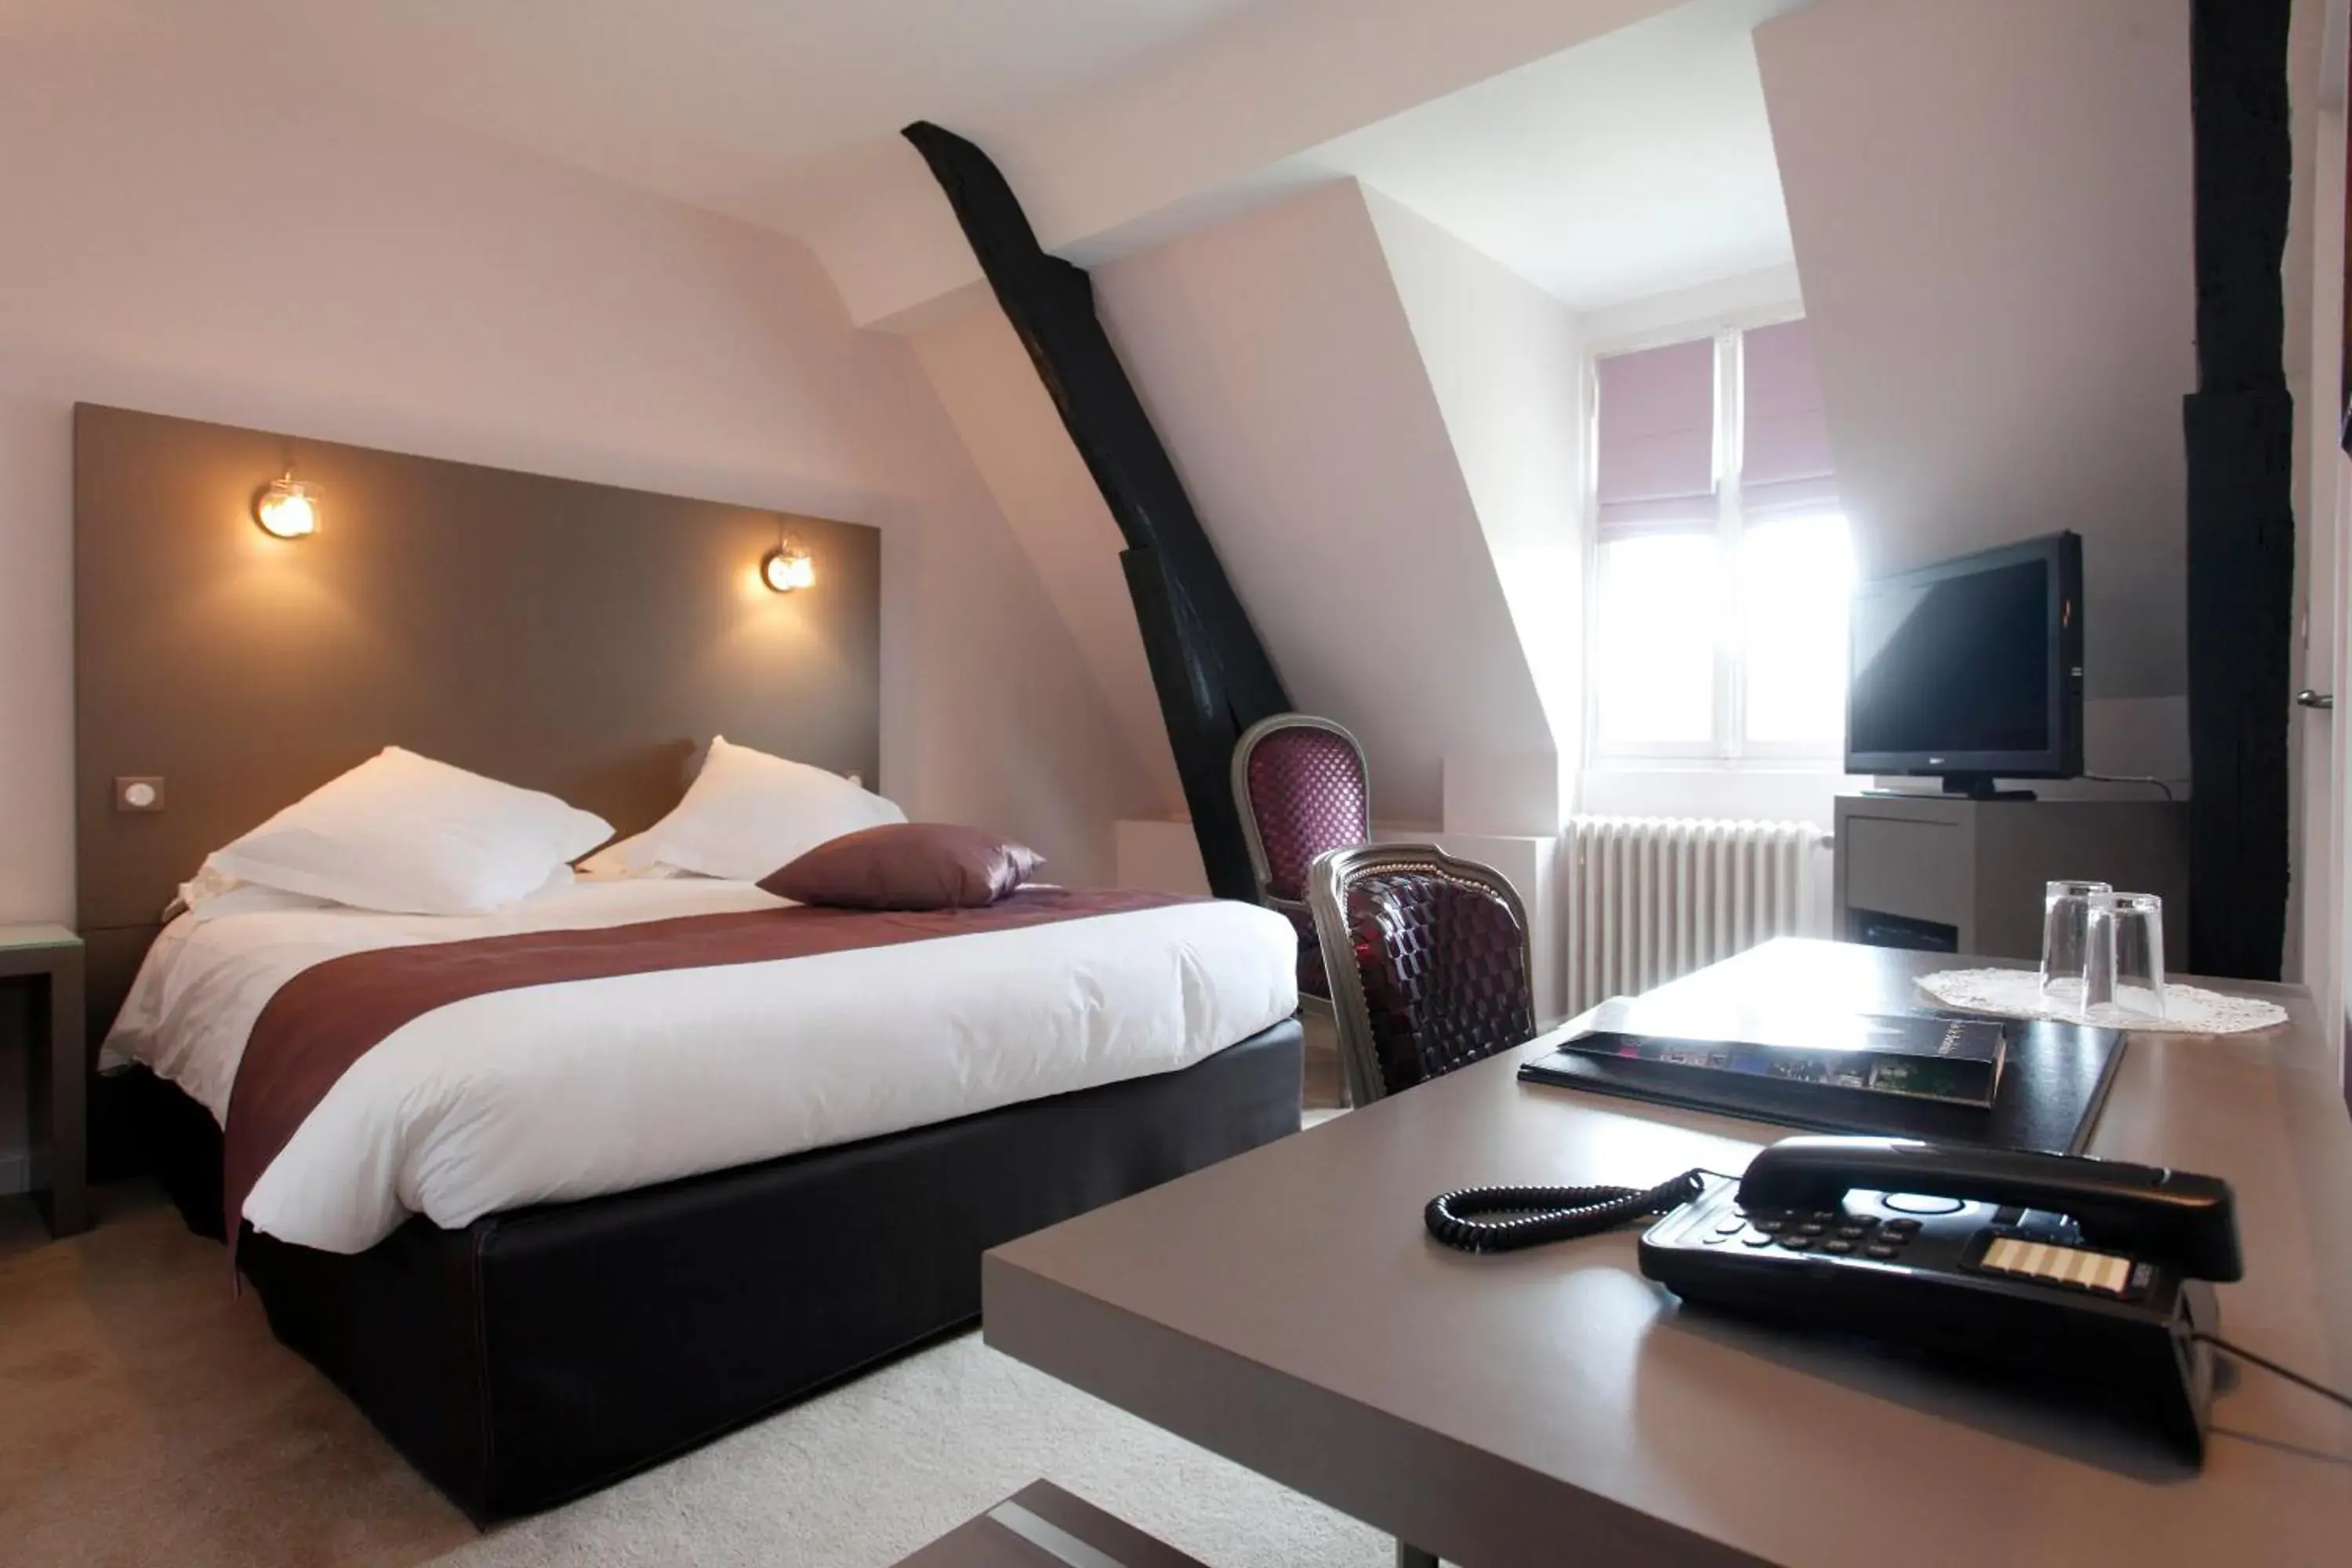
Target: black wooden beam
2240,427
1211,671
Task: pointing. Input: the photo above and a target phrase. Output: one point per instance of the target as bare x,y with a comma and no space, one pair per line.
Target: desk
1286,1310
51,958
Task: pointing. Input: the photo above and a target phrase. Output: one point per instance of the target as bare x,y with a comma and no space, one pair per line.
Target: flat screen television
1972,669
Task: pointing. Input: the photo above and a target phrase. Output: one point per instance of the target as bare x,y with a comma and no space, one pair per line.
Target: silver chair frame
1329,880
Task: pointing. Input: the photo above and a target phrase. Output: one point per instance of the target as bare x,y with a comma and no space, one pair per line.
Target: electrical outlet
142,793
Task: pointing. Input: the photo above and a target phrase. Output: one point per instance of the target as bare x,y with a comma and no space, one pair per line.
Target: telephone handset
2187,1219
2071,1270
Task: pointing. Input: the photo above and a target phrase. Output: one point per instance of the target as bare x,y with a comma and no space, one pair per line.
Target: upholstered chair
1428,959
1302,787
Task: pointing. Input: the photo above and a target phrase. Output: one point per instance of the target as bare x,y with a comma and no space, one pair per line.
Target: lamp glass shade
788,568
289,509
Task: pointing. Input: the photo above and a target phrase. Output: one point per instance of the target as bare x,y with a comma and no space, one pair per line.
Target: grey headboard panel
562,635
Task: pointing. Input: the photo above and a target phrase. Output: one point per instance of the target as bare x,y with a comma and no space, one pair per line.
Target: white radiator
1652,898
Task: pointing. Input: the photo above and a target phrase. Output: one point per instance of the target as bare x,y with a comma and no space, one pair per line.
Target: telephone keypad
1834,1233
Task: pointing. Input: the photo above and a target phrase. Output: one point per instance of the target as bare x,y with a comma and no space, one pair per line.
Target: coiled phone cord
1539,1215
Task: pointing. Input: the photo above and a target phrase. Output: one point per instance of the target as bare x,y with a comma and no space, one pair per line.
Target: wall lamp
788,567
286,507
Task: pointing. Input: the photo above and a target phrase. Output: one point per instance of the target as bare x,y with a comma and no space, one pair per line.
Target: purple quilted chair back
1302,787
1429,963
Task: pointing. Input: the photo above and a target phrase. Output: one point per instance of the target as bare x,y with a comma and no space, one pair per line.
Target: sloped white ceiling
1991,202
1119,124
710,102
1637,164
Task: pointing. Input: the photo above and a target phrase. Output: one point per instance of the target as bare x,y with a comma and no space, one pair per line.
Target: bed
575,1228
548,1235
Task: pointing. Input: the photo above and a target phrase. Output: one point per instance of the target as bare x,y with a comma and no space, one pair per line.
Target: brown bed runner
333,1013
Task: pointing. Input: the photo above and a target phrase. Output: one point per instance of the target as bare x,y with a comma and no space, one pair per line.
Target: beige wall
1016,440
2314,277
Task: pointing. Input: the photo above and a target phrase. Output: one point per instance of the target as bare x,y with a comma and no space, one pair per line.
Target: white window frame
1729,747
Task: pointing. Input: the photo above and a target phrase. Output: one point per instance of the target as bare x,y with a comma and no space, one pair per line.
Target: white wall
1279,367
1991,201
1506,365
1382,429
305,262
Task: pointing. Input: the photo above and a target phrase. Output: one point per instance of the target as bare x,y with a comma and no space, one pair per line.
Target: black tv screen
1970,667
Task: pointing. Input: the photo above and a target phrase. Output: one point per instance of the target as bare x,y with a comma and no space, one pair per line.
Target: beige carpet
146,1416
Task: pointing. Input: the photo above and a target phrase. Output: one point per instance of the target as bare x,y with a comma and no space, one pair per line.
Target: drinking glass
2065,941
2124,967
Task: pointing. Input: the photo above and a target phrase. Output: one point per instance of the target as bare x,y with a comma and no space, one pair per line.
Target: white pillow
613,864
215,894
405,834
747,814
212,893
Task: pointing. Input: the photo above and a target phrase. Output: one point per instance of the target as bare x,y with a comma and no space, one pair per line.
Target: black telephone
2085,1272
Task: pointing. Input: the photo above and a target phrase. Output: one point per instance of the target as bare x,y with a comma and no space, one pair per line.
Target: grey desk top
1285,1308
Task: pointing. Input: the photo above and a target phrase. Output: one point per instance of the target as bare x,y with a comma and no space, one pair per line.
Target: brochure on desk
2009,1084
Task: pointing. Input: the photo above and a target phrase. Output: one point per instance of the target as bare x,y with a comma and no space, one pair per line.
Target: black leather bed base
545,1352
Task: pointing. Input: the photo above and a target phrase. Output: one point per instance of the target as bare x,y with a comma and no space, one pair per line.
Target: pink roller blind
1656,455
1785,463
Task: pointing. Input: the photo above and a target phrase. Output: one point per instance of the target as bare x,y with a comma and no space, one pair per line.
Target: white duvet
568,1091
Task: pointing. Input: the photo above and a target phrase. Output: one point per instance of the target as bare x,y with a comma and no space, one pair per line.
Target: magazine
1958,1060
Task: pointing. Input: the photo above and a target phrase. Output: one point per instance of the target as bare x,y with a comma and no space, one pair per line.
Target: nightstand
50,957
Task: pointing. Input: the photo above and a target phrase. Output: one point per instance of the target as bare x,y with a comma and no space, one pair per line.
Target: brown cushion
907,866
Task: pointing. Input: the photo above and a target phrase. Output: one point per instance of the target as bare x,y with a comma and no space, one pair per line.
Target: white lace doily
2016,993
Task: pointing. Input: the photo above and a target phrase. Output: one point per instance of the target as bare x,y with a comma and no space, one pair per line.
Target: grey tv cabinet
1953,875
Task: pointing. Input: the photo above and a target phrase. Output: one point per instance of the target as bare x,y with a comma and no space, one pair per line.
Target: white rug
863,1474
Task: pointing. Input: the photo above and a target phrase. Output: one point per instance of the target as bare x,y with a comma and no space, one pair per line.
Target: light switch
143,794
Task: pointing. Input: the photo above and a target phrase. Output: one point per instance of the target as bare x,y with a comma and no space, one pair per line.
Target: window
1721,563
